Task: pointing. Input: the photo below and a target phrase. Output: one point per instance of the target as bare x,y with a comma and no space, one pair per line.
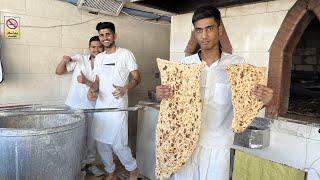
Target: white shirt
77,96
217,110
112,69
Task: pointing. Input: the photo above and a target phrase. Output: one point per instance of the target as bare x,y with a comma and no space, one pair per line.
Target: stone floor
122,174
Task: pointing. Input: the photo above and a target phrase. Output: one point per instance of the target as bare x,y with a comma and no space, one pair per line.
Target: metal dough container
256,136
38,147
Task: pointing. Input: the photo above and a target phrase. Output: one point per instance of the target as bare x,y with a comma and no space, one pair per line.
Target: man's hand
163,92
92,95
66,59
61,67
263,93
120,91
82,79
95,84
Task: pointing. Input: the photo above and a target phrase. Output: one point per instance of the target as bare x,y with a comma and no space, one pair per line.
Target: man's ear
220,29
115,36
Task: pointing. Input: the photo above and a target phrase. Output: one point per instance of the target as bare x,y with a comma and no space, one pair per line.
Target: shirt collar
222,55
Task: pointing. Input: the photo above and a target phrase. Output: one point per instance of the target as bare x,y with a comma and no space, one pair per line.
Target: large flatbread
243,78
179,118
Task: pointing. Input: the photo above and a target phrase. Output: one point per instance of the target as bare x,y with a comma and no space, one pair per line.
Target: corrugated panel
111,7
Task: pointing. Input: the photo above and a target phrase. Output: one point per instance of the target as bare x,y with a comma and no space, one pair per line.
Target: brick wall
306,56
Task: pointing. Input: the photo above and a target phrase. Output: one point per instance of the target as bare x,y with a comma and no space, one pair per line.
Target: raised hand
120,91
263,93
82,79
163,92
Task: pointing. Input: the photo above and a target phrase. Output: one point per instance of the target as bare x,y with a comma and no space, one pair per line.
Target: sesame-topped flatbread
179,120
243,78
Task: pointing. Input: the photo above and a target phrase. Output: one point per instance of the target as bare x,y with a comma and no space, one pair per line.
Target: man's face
207,33
95,48
107,37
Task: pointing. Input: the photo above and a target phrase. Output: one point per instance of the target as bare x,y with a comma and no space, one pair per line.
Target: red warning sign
12,23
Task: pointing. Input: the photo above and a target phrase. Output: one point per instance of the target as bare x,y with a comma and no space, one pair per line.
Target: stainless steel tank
41,147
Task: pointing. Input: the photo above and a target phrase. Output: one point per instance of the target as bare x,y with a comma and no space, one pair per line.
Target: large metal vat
146,139
41,147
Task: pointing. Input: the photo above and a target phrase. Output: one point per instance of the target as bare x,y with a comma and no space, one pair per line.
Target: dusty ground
122,174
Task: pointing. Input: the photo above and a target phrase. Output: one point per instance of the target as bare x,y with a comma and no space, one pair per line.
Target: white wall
29,62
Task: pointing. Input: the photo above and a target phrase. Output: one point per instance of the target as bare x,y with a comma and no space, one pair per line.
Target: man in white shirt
82,66
211,158
113,68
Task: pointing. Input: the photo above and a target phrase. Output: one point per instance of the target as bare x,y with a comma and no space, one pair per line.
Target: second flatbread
243,78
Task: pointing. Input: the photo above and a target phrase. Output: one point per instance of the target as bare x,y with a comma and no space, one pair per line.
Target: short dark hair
94,38
206,12
106,25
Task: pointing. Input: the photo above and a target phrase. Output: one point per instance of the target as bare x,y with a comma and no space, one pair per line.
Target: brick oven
294,64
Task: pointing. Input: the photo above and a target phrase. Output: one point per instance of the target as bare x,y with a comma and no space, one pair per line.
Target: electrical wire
145,20
295,132
311,168
101,16
65,25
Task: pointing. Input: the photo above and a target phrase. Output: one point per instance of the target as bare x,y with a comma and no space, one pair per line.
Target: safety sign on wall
12,27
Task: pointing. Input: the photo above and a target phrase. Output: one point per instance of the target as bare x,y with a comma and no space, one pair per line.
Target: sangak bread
243,78
179,118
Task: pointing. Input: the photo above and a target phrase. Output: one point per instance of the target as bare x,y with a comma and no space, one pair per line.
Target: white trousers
90,149
206,163
120,148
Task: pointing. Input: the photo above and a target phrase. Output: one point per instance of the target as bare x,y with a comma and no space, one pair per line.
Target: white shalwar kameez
77,99
111,128
211,158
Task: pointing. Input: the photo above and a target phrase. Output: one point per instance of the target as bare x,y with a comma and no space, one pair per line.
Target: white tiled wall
256,8
280,5
20,58
253,32
181,26
52,9
176,56
18,6
53,28
255,58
